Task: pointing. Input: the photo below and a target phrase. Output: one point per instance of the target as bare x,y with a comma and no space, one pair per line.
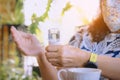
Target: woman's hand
66,56
27,43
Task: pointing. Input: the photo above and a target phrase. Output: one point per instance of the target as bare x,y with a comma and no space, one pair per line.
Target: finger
12,29
18,38
55,62
67,63
53,48
26,35
50,55
62,63
15,34
24,38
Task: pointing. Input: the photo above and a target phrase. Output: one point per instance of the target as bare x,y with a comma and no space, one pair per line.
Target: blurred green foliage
11,12
35,20
9,70
66,8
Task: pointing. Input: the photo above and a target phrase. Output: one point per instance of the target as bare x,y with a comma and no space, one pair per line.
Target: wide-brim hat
111,14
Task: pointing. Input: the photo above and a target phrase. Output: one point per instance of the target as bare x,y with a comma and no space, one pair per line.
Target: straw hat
111,14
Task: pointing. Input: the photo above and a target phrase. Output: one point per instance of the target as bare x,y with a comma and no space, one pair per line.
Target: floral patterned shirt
110,46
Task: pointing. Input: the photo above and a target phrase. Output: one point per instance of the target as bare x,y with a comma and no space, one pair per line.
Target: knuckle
63,49
46,48
61,61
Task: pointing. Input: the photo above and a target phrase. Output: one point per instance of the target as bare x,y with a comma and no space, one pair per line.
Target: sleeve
113,48
76,40
78,37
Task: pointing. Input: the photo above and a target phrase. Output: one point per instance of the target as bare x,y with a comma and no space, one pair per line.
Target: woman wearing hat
101,40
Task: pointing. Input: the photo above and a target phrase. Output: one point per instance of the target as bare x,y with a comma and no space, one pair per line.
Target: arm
48,71
29,45
110,67
68,56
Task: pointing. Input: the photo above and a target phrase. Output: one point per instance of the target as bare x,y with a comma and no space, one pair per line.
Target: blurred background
36,17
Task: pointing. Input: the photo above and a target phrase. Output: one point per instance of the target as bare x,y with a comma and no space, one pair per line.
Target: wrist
87,57
84,57
41,58
92,61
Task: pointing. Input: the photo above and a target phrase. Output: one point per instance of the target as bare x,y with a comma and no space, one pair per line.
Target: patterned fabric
111,14
110,46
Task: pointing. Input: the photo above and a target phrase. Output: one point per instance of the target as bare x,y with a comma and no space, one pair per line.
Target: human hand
66,56
27,43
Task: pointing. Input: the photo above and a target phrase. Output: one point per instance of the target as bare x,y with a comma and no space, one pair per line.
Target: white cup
79,74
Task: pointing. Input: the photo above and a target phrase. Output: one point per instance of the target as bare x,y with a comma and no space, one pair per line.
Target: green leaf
67,7
35,20
12,14
32,28
45,15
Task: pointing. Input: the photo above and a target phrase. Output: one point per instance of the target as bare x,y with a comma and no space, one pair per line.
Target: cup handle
59,73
